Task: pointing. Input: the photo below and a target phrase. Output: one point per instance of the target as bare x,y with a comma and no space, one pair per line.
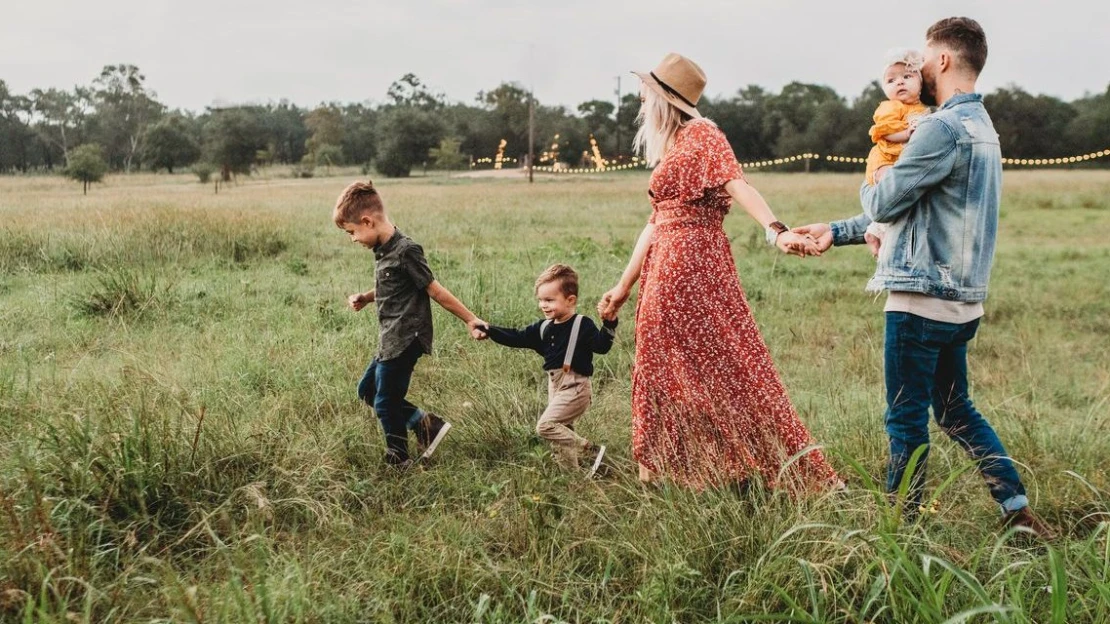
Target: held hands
611,302
797,244
821,234
359,301
478,329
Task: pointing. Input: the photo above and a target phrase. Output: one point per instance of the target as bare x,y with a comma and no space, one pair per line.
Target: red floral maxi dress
708,407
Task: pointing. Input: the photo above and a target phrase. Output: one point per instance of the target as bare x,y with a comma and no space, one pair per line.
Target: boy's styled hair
567,278
357,199
965,37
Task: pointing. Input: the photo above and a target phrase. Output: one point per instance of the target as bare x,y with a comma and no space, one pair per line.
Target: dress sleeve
889,118
705,160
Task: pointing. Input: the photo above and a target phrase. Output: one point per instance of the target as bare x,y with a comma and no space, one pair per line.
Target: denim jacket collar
961,98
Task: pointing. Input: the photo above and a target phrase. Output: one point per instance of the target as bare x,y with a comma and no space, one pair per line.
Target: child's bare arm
359,301
449,302
899,137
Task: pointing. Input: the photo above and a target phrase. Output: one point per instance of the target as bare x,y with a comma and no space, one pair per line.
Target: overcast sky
200,51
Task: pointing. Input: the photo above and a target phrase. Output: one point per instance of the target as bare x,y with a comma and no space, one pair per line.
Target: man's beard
928,93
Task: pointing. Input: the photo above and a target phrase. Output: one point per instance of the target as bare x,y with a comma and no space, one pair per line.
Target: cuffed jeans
383,387
926,364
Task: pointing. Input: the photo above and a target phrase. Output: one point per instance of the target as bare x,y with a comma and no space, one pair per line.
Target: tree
169,143
232,137
359,141
743,119
405,136
1029,126
325,126
328,155
1090,130
16,135
508,119
285,130
599,120
447,155
86,165
62,117
626,120
791,111
409,91
124,107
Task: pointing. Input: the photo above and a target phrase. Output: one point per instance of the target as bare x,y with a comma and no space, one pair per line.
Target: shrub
203,171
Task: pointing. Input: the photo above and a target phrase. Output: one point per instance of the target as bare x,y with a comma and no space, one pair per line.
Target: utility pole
618,119
531,132
531,114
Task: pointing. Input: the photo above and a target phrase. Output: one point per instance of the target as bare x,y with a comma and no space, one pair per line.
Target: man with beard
940,205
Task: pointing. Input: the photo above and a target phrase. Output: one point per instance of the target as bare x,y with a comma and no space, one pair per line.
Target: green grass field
180,438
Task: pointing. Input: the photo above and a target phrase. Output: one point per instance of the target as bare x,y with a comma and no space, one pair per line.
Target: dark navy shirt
553,344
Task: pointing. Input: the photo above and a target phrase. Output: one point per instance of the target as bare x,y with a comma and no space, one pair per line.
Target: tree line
117,123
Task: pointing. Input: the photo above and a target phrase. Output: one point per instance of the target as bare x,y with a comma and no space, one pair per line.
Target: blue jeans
926,364
383,387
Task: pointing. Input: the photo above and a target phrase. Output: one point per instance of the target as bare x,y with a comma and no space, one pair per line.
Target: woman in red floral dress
708,407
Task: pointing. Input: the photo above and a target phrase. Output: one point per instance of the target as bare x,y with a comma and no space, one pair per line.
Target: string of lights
1040,162
603,165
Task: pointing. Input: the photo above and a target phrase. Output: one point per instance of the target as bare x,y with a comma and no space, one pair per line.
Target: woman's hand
612,301
795,244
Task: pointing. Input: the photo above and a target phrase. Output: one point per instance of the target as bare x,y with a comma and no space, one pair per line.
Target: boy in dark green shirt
403,288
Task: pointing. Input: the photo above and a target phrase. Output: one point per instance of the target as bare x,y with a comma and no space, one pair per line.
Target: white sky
200,51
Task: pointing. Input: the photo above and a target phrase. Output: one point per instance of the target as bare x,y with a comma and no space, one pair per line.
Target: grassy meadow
180,438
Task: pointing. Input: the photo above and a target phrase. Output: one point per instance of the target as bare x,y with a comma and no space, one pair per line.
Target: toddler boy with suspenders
567,342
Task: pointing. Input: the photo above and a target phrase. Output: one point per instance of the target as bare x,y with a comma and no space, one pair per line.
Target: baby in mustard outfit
895,119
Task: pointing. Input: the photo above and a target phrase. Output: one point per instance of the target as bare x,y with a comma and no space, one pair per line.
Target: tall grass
180,438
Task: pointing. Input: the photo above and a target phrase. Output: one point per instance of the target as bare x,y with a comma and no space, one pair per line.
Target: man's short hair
357,199
965,37
567,278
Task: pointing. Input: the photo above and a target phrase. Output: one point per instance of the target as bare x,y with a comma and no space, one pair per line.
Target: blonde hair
912,59
659,122
567,278
357,199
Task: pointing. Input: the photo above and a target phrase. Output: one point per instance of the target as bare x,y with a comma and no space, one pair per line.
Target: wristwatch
773,230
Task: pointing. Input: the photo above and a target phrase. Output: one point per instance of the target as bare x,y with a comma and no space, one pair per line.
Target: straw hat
679,80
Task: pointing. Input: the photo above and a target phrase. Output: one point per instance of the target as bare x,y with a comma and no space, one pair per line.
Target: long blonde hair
659,122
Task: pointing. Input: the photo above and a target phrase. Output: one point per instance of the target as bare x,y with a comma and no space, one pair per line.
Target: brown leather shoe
1025,518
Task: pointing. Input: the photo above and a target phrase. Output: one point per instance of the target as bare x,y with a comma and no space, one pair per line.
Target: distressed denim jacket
940,201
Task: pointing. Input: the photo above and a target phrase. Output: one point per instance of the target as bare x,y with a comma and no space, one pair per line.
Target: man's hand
359,301
478,329
881,172
821,233
873,243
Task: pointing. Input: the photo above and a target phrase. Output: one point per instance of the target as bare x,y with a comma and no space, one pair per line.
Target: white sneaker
597,460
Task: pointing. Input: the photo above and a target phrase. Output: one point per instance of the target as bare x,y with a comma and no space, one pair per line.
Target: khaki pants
568,397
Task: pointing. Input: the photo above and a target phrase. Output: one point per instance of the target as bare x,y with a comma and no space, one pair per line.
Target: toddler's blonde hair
912,59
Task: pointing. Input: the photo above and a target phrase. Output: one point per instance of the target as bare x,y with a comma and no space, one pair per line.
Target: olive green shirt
401,279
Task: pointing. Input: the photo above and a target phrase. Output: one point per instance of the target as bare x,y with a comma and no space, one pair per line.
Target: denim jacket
940,201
